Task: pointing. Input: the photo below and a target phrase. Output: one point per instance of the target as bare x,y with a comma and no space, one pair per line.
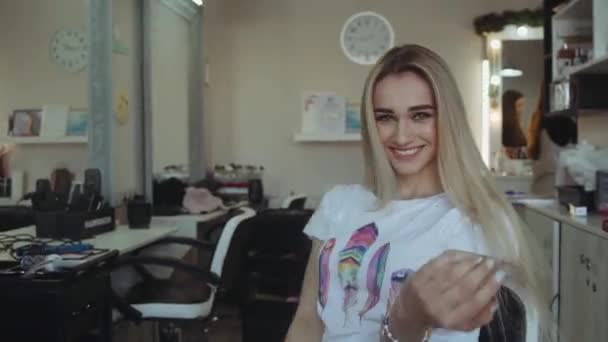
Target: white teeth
408,151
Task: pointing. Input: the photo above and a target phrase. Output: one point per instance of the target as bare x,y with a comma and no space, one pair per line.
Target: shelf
595,66
591,111
43,140
575,10
565,113
346,137
576,112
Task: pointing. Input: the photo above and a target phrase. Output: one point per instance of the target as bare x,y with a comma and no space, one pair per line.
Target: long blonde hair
464,177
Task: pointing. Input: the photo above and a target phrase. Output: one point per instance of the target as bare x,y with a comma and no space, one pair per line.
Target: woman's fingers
444,262
461,290
455,272
457,307
485,315
455,290
479,299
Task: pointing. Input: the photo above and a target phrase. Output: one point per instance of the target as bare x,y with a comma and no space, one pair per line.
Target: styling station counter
575,249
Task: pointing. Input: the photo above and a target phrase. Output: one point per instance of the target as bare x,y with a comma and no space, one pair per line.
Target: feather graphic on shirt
397,280
324,271
375,277
350,261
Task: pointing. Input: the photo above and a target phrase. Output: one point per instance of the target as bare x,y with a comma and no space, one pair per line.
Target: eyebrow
411,109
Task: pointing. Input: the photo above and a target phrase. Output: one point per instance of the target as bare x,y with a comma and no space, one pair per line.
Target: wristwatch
388,336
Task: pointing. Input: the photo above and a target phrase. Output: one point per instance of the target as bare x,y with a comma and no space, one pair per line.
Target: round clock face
69,49
366,36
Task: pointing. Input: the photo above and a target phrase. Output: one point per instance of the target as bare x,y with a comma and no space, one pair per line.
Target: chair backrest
294,202
509,322
278,231
223,244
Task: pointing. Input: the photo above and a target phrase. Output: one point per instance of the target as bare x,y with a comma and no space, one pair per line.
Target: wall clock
365,37
69,48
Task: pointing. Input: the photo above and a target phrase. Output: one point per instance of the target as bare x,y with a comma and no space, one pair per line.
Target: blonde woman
420,251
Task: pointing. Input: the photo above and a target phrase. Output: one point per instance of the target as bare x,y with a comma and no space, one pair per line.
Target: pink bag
200,200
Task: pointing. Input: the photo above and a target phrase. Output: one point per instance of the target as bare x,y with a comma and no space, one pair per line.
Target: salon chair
172,302
277,255
294,202
509,322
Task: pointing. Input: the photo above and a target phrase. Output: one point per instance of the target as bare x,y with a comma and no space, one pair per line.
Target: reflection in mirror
513,139
169,52
43,92
522,67
512,82
172,99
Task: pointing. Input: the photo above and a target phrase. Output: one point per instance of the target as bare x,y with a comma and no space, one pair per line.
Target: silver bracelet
386,332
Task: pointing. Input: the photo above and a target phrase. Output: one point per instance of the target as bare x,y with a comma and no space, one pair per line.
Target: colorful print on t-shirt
324,271
375,277
350,262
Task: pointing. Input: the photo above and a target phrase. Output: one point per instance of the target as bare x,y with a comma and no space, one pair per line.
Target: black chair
509,322
277,253
13,217
168,195
294,202
169,300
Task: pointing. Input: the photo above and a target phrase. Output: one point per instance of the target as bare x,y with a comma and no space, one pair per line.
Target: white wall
264,53
28,79
169,54
592,128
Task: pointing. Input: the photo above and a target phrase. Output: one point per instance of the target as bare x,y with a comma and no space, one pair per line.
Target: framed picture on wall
25,123
353,118
78,123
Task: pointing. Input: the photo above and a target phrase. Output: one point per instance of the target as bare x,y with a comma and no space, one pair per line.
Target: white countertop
123,239
592,223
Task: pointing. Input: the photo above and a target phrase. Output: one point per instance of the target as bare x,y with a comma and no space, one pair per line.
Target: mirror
512,82
44,90
522,77
172,97
169,64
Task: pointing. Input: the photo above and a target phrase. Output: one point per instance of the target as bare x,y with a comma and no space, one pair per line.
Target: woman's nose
403,134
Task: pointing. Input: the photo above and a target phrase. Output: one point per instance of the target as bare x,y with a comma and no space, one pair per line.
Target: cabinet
546,231
583,280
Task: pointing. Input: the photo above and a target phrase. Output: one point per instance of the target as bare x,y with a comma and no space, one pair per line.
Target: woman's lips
405,154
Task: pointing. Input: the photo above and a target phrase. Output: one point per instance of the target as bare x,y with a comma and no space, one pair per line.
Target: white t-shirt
367,254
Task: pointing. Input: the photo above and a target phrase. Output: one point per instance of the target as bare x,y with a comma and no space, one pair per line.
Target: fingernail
494,308
479,260
500,276
490,263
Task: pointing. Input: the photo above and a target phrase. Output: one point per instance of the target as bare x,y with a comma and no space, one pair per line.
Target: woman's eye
383,117
420,116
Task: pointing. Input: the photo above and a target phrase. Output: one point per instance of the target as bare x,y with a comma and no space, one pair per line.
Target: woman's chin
411,169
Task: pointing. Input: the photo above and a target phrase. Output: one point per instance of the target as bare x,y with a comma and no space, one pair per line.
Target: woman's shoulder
348,195
336,205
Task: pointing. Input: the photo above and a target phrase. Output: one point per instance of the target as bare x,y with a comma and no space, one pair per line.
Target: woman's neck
425,183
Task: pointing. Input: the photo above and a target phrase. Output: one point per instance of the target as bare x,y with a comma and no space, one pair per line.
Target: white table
186,224
123,239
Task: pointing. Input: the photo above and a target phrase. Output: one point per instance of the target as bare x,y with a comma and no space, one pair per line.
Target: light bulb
495,44
522,31
495,80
